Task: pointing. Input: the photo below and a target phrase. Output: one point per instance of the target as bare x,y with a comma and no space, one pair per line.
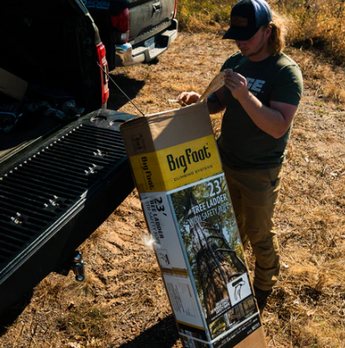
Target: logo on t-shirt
255,85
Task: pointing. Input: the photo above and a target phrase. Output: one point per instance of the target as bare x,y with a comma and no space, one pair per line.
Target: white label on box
163,258
162,227
182,299
239,289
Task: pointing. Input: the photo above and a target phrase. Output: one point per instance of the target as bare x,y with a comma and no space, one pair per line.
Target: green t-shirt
242,144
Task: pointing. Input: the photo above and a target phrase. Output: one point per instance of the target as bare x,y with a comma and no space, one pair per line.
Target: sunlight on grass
313,23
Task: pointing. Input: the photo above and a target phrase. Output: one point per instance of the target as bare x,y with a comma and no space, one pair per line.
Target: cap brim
240,34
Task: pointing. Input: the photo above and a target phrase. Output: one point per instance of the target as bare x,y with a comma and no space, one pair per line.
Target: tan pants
253,195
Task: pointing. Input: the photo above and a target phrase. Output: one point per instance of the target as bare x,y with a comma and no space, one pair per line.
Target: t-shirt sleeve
227,64
231,62
288,85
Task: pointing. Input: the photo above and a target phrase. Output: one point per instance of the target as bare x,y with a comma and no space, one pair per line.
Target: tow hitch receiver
78,266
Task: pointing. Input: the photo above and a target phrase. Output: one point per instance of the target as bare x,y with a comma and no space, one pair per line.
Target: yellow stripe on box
190,325
176,166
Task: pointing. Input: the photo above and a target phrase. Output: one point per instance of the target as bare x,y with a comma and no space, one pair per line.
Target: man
261,94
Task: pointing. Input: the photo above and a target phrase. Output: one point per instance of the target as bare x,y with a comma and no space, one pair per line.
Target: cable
111,79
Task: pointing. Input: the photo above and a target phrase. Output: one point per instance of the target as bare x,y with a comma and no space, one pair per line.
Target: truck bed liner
56,195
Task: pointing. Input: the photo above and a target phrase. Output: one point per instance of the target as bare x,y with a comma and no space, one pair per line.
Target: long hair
276,40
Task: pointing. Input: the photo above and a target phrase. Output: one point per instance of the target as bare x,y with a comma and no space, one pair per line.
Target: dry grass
122,303
313,24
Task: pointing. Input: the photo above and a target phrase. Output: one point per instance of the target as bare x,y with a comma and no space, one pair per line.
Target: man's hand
237,84
188,98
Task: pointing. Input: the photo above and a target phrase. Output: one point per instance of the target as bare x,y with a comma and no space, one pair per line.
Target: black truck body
134,31
62,173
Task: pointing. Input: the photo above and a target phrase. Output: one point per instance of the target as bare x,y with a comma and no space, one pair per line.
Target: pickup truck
134,31
63,168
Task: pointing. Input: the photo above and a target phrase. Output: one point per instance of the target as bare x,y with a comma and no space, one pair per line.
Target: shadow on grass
162,335
130,87
8,317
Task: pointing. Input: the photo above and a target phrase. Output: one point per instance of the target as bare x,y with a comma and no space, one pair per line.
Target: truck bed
21,137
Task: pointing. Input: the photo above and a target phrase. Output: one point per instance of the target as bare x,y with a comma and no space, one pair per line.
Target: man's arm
215,102
274,120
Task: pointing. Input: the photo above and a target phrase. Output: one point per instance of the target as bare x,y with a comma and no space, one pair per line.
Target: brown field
122,302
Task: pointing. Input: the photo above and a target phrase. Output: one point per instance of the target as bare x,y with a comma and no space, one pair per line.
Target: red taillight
175,9
102,60
122,23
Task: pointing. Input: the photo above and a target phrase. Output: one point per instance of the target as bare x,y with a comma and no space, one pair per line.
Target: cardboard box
187,206
171,149
12,85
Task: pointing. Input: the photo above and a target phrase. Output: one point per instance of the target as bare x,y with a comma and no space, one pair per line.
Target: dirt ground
123,303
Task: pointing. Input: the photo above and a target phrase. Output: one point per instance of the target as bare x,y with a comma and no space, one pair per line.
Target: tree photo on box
208,227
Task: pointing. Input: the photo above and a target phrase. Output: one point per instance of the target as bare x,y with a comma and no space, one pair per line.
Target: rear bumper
126,54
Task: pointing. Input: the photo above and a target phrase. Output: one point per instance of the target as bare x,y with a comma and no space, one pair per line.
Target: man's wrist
247,98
